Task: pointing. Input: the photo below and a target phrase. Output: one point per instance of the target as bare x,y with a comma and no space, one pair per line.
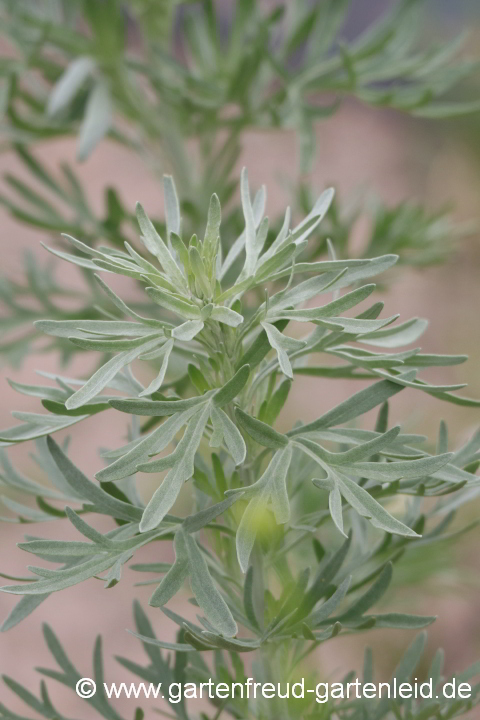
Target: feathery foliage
227,337
153,75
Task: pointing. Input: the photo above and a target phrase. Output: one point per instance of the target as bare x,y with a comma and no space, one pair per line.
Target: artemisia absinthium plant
267,577
156,76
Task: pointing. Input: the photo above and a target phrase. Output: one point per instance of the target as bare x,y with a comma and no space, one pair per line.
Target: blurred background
367,154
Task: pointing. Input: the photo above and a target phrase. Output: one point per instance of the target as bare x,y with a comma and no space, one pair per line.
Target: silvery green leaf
261,236
270,486
103,375
390,471
198,379
10,476
216,439
206,311
279,240
409,662
268,268
177,305
182,470
180,250
55,580
232,645
212,231
171,584
34,418
23,513
279,494
172,206
282,344
156,408
36,426
63,578
450,397
464,455
304,291
366,449
356,405
327,608
39,391
317,214
45,461
232,436
237,290
332,256
421,360
232,388
442,438
347,301
198,269
157,441
401,621
356,436
188,330
156,246
357,272
123,382
276,402
175,577
249,524
61,549
403,334
78,328
88,490
260,347
161,568
74,259
354,325
249,587
150,270
22,609
368,362
120,268
260,431
196,522
123,307
97,120
239,244
88,531
114,345
69,84
157,382
368,507
251,250
225,315
335,506
354,270
103,253
374,593
206,593
417,384
332,266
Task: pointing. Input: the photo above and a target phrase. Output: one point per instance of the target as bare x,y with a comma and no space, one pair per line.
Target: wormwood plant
158,75
292,536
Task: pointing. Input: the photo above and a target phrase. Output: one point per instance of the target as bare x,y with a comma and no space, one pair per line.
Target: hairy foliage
227,335
153,75
292,537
